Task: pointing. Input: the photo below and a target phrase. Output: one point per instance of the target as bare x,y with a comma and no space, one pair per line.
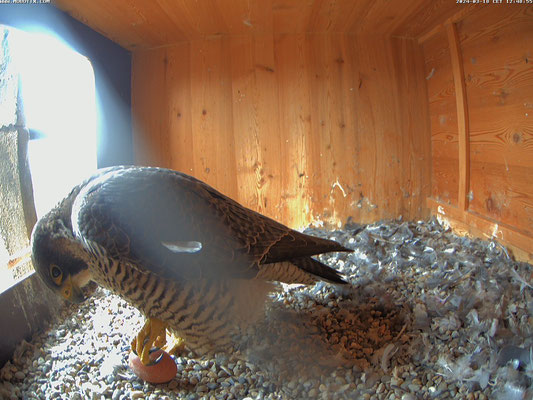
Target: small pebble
116,394
201,388
414,387
20,375
194,380
136,394
173,384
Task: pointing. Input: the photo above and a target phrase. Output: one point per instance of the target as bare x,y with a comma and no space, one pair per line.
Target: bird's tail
305,270
316,268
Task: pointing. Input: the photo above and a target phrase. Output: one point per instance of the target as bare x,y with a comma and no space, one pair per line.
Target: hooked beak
71,292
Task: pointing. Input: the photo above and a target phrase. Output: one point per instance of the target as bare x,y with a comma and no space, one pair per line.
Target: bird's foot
152,334
175,345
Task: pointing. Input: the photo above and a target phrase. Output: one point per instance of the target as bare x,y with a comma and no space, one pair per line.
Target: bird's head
59,259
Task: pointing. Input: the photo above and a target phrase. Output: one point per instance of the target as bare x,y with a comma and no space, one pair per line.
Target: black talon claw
152,350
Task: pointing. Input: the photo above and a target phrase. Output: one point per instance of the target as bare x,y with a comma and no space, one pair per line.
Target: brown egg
163,371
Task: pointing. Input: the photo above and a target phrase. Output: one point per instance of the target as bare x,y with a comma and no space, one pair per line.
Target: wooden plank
150,133
470,223
380,133
358,206
504,194
385,16
247,132
336,16
445,181
141,24
178,108
370,132
428,16
251,115
496,45
332,142
212,116
296,16
322,117
132,24
443,119
432,29
502,134
290,16
488,22
413,112
205,17
341,62
256,131
266,109
243,17
321,154
294,111
462,116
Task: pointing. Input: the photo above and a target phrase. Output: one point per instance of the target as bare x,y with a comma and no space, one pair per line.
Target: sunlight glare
59,100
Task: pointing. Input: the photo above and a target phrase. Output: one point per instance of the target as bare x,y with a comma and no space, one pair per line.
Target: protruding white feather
183,247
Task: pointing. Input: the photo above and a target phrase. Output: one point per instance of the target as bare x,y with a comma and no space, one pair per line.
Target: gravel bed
428,315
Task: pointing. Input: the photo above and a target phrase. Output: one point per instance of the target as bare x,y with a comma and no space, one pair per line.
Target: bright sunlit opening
58,94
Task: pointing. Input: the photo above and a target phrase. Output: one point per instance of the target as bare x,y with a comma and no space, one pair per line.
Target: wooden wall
300,127
481,113
142,24
320,110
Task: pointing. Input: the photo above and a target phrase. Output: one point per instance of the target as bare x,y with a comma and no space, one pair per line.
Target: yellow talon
152,334
175,345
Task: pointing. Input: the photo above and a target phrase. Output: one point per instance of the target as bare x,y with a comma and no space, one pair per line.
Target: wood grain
143,24
257,134
212,115
499,83
471,223
384,17
451,14
310,111
293,113
177,111
149,75
443,119
380,142
325,109
332,146
301,127
462,116
495,45
415,126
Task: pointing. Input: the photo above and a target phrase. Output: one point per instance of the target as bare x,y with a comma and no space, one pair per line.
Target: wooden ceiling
142,24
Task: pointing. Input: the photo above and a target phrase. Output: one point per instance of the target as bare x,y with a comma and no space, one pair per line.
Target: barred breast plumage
205,313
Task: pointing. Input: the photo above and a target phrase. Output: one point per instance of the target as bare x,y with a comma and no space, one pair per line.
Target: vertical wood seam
462,115
458,16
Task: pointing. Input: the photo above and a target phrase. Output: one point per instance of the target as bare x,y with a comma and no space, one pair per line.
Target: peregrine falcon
192,260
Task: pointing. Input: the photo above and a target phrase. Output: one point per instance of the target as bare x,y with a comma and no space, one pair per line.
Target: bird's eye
56,273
